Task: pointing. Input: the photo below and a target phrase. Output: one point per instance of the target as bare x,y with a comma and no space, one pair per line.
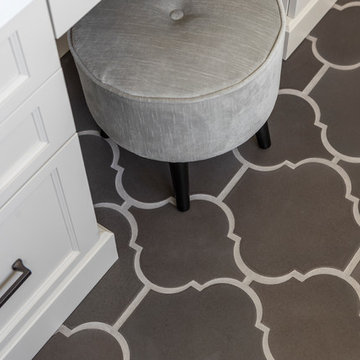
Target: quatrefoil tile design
179,249
337,96
338,35
297,225
298,70
149,181
99,308
87,344
327,307
266,264
353,170
294,138
216,323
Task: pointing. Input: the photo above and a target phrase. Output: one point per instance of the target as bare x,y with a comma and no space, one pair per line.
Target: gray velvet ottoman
181,80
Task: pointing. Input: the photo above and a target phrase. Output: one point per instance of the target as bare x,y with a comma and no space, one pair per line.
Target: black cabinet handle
16,266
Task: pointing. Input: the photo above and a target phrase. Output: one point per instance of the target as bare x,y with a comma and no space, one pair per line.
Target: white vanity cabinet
46,215
66,13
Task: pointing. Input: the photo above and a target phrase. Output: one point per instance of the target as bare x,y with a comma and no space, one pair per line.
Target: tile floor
265,265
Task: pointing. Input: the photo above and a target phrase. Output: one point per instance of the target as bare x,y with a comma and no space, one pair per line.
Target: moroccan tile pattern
265,265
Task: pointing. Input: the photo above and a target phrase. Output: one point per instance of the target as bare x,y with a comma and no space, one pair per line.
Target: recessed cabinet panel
46,227
20,145
12,70
33,133
35,229
28,55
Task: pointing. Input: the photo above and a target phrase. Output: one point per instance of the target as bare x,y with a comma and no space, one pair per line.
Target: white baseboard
64,299
299,27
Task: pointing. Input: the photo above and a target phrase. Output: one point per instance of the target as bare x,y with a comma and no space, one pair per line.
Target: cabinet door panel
28,55
48,228
33,133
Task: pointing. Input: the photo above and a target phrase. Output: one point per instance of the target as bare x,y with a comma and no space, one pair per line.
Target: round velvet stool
181,80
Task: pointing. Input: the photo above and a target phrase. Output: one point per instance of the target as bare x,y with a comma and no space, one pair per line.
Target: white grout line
129,200
64,330
225,192
125,206
311,38
346,6
247,281
316,79
102,327
335,160
257,303
130,309
326,62
318,123
353,263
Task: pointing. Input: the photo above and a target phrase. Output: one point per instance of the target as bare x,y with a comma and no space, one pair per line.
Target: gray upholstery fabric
180,90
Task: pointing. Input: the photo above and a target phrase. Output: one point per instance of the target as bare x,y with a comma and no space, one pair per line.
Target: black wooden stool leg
180,179
263,137
104,134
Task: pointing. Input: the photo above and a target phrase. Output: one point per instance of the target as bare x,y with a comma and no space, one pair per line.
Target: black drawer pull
16,266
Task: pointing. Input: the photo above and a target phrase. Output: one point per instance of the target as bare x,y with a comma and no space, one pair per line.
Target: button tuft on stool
176,15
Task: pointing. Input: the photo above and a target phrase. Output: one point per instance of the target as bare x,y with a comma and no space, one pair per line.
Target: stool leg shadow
104,134
263,137
180,179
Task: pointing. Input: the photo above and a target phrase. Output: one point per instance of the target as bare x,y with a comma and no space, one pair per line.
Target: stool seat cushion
180,80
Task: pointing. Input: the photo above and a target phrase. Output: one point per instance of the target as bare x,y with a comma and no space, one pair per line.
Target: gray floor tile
216,324
294,136
337,94
353,170
180,247
98,158
338,33
294,220
316,319
85,345
150,181
299,68
111,296
212,175
143,179
356,273
343,2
